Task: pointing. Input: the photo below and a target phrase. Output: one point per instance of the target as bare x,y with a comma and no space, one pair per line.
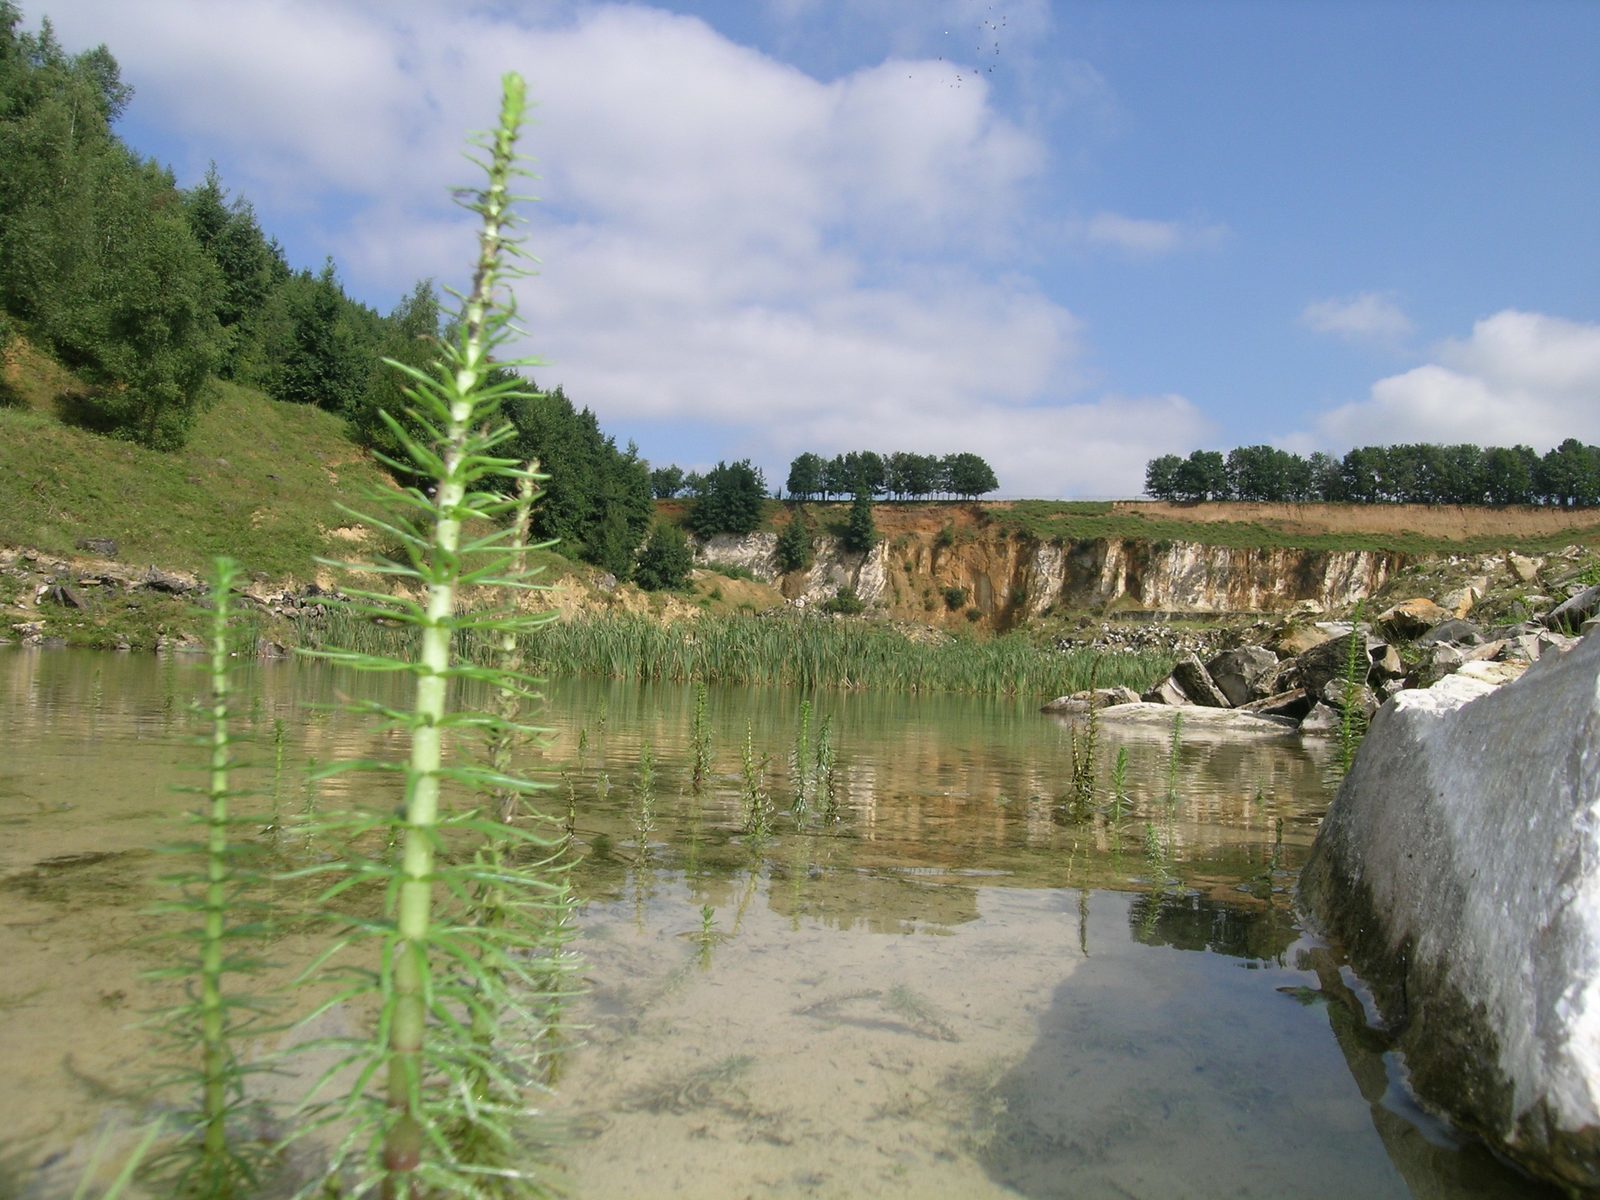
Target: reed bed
801,651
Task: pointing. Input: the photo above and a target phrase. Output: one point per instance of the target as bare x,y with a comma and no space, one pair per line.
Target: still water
945,973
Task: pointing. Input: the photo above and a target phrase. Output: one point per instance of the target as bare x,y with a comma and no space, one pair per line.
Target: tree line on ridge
1422,473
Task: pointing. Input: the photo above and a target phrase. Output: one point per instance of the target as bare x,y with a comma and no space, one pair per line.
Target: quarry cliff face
1010,580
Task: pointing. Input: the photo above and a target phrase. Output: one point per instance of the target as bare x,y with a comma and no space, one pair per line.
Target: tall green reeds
806,653
440,1088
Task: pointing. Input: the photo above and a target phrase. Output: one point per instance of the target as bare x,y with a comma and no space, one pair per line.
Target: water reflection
964,979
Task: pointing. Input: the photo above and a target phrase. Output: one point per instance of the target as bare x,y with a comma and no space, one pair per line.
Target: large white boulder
1460,868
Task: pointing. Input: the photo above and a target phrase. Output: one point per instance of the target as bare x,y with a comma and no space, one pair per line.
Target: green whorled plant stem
701,736
217,1160
1352,723
213,1018
802,760
442,1083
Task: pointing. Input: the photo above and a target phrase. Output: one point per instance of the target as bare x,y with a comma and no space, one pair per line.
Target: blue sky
1068,236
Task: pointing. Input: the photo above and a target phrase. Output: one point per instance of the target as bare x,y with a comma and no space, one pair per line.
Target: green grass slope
260,480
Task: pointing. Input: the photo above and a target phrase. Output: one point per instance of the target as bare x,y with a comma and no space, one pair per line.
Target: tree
411,338
666,482
731,500
250,265
1161,477
665,561
323,363
596,503
860,532
1569,475
1202,476
1510,474
795,549
805,476
967,475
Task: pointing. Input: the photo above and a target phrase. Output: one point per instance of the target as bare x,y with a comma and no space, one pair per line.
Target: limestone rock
1460,867
1523,569
1238,672
1321,721
1330,661
1294,640
1293,704
1082,702
1166,693
1339,696
101,547
1221,723
1574,612
1410,618
1191,675
1496,673
1386,662
1460,601
1453,630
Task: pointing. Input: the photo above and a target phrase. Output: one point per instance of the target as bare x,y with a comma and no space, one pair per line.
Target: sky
1066,236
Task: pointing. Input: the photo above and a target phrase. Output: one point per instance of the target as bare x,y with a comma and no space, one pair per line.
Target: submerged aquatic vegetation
701,735
755,800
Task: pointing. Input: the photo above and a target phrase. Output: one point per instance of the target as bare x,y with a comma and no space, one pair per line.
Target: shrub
954,597
845,601
665,561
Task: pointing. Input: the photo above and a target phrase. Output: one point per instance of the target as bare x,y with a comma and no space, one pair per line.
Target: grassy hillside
260,480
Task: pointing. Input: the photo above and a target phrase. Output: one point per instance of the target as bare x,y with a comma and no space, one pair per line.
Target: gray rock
1523,570
1442,660
1213,723
1292,704
103,547
1321,721
1238,672
1192,677
1082,702
165,581
1330,661
1460,867
1574,612
1464,632
1386,661
1339,696
1166,692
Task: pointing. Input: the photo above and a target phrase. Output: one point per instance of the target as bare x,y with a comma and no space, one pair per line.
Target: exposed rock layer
1010,580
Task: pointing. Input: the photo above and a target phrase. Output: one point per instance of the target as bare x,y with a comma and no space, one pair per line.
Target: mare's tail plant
802,759
701,734
216,1156
1352,719
442,1089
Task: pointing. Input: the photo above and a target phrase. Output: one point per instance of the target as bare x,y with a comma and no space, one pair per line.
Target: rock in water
1460,867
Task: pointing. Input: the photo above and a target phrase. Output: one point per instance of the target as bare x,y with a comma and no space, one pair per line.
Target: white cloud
1520,377
1368,317
1142,237
798,263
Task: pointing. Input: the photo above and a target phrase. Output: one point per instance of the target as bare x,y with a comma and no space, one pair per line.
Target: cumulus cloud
1368,317
791,261
1521,377
1142,237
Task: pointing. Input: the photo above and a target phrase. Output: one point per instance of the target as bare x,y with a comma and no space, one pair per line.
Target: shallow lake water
952,976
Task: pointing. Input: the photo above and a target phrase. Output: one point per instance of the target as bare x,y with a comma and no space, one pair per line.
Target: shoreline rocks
1460,868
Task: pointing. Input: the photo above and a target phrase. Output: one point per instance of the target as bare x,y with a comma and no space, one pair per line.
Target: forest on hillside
148,292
